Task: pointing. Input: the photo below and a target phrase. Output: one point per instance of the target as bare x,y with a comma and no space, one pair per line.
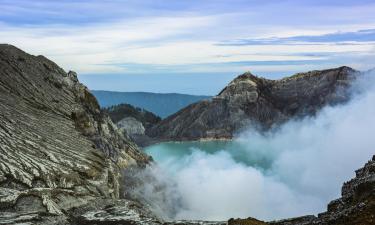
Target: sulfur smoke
307,162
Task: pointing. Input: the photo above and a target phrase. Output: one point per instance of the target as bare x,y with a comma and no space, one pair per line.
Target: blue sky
190,46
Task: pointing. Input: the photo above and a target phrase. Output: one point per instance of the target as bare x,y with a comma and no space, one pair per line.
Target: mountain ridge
161,104
252,101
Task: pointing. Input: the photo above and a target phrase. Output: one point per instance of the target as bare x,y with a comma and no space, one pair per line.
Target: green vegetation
162,105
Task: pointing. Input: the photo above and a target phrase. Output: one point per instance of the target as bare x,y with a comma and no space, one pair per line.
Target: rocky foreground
61,158
251,101
58,151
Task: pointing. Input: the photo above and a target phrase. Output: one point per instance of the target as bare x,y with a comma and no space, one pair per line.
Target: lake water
240,152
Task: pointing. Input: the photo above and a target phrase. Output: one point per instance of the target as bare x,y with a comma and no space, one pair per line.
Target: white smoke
308,159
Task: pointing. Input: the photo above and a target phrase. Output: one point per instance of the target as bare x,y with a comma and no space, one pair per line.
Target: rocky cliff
121,111
133,121
252,101
355,207
58,151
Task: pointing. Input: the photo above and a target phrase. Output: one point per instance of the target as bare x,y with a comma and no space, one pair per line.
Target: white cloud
184,37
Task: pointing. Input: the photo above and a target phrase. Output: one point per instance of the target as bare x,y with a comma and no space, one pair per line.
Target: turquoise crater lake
267,177
216,180
240,152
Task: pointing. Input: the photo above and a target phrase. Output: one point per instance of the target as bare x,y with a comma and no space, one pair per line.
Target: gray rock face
131,126
252,101
356,206
104,212
57,150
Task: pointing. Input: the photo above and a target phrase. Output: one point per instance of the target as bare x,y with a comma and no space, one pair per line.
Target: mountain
251,101
58,151
162,105
62,160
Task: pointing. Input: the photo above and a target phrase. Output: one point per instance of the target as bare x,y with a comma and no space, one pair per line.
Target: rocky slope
133,121
356,206
252,101
57,150
121,111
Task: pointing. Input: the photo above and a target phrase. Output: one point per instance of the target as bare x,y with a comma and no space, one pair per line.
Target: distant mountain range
162,105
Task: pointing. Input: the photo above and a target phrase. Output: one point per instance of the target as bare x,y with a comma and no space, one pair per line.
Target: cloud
339,37
87,48
172,36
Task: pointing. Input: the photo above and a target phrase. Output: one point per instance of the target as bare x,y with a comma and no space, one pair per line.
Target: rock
104,212
303,220
248,221
250,101
133,121
131,126
356,206
57,149
121,111
32,218
196,222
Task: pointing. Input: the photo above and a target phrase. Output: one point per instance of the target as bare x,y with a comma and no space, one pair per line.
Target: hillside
133,121
121,111
251,101
162,105
58,151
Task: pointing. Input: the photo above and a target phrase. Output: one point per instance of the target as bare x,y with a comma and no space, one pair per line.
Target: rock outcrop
121,111
252,101
131,126
133,121
58,151
355,207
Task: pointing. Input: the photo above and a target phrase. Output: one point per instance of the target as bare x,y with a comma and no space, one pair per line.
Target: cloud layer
195,36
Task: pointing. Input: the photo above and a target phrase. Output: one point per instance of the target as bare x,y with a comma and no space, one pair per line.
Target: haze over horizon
183,46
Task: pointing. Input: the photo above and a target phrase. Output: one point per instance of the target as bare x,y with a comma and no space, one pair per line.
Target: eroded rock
251,101
131,126
57,150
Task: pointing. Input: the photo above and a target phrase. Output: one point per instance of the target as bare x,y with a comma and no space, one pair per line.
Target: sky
190,46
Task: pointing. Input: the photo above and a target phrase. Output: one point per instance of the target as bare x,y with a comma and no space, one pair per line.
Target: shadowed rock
250,101
356,205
